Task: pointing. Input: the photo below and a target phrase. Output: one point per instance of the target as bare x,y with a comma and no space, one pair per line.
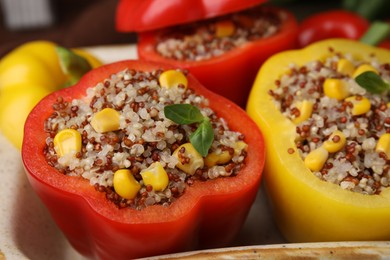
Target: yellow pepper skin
27,74
307,209
15,106
31,62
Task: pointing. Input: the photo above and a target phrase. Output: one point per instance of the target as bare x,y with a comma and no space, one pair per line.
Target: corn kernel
383,145
345,66
305,108
335,142
105,120
125,184
361,105
173,79
336,88
363,68
189,159
67,141
156,176
216,159
239,147
224,28
316,159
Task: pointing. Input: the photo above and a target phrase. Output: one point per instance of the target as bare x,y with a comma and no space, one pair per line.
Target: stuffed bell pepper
139,159
222,43
325,114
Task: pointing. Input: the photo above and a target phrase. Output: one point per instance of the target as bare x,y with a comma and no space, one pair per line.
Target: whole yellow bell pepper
307,209
27,74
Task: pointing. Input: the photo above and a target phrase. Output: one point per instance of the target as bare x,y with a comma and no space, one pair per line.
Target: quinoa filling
213,37
342,129
138,143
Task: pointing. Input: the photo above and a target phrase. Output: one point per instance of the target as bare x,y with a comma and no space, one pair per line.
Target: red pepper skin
144,15
331,24
209,214
385,44
231,74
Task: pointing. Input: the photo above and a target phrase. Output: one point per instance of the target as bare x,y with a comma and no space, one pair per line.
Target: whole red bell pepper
230,74
208,214
331,24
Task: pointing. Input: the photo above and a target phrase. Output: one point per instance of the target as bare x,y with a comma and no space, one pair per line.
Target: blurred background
79,23
71,23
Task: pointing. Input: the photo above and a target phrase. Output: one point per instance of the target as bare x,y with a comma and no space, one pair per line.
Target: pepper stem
73,66
377,32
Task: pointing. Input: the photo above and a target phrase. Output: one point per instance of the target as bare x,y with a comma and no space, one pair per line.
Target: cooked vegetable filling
343,130
120,139
209,38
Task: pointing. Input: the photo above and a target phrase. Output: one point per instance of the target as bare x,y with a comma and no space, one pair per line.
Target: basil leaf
372,82
183,114
203,137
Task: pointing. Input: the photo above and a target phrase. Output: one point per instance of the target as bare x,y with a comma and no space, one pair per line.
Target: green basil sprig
372,82
185,114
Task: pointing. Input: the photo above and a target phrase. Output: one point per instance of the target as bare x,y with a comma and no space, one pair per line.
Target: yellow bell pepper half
307,209
27,74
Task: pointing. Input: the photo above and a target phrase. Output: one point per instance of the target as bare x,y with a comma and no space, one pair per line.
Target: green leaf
183,114
372,82
73,65
203,137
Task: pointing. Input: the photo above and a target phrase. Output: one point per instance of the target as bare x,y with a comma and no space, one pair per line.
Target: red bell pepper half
144,15
209,214
331,24
232,73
